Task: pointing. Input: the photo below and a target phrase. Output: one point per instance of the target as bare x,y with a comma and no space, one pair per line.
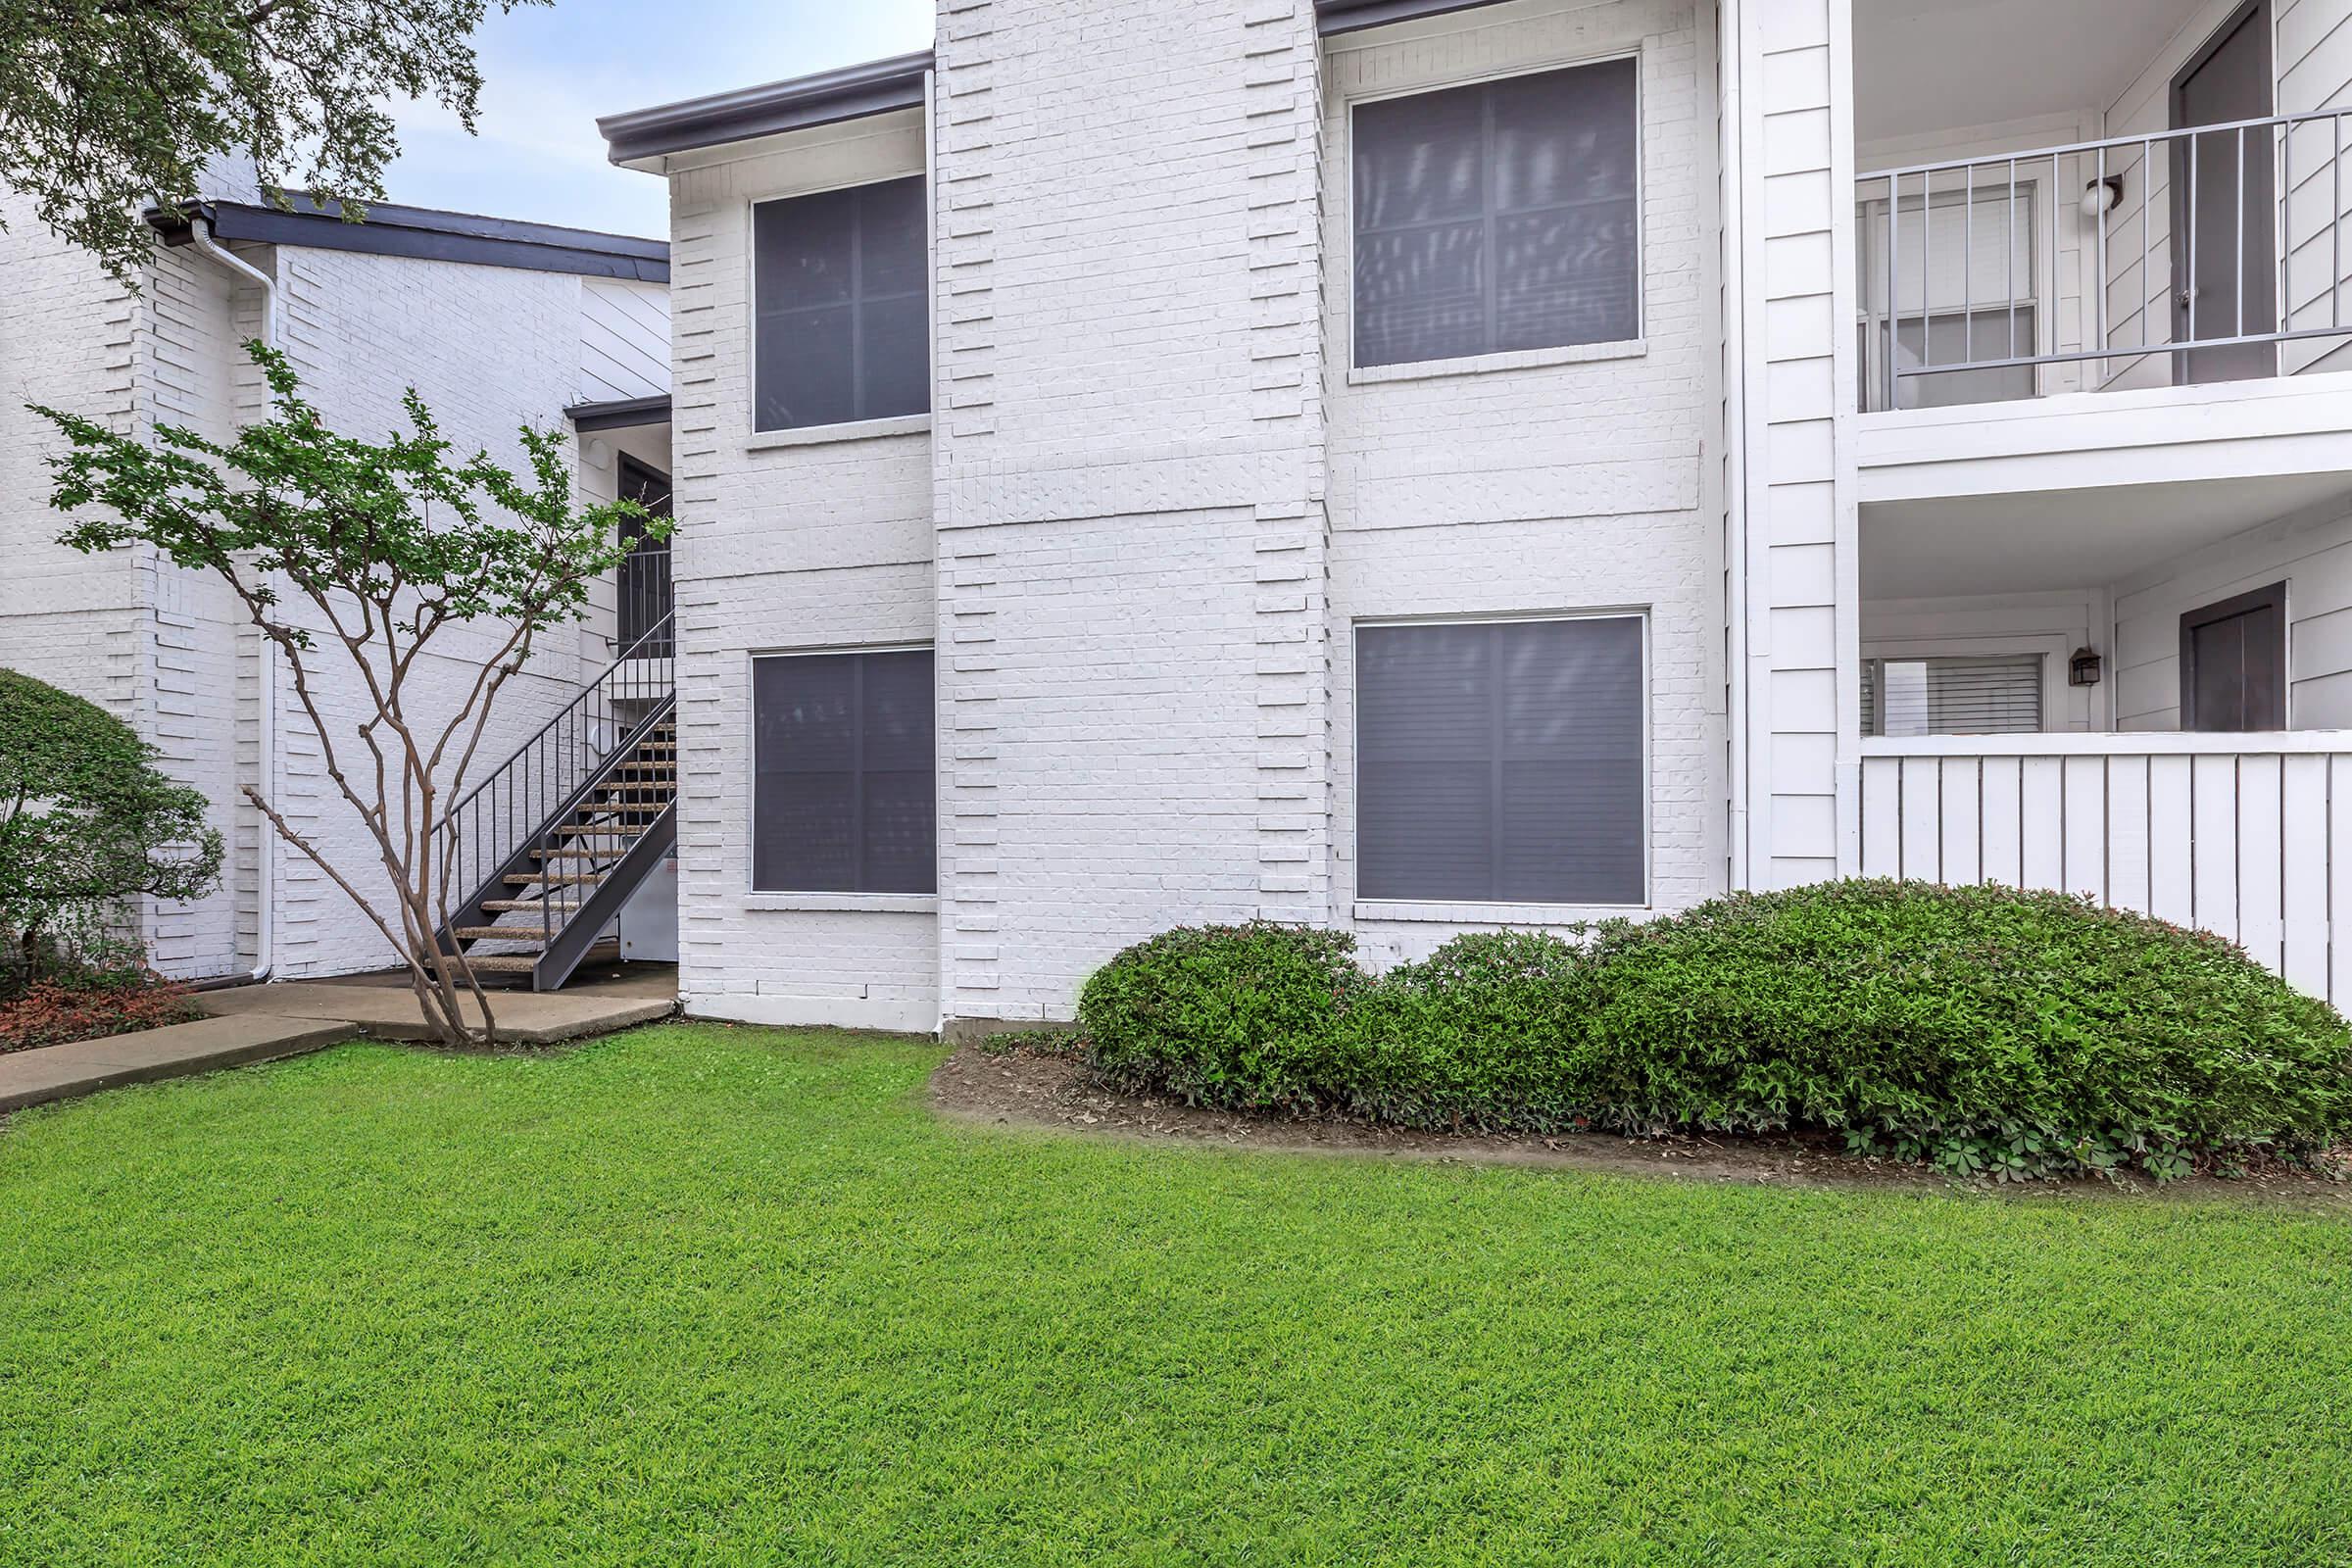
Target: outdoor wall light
2102,196
2083,668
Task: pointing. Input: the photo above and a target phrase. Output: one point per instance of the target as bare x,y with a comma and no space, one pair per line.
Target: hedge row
1986,1029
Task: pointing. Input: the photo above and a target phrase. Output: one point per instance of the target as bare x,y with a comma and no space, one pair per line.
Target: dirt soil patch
1026,1088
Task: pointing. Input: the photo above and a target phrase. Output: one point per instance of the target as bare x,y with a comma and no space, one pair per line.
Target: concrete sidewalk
258,1023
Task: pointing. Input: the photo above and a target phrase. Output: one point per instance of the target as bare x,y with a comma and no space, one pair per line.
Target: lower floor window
1988,695
1502,762
842,763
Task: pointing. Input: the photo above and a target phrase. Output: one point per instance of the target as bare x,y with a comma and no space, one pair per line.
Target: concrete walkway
258,1023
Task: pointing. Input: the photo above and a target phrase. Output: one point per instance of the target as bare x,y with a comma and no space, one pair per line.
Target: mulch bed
51,1015
1027,1087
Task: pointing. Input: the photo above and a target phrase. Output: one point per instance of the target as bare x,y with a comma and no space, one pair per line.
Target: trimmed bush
1235,1015
2014,1034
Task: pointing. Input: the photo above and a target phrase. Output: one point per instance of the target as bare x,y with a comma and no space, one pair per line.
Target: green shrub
87,822
2013,1034
1239,1017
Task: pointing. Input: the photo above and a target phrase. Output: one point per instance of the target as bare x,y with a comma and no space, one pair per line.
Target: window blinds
841,788
842,315
1983,696
1498,216
1502,762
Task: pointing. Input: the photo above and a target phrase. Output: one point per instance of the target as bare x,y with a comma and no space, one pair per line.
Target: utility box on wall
648,926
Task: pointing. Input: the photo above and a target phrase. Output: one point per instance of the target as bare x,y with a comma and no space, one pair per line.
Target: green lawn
711,1295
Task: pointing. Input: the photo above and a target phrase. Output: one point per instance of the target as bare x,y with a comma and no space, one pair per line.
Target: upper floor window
842,329
1951,290
1499,217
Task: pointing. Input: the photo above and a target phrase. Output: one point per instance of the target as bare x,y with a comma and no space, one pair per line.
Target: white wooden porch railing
2249,835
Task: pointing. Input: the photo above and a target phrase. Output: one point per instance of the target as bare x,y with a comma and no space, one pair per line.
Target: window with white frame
841,309
843,795
1965,292
1987,695
1502,762
1498,216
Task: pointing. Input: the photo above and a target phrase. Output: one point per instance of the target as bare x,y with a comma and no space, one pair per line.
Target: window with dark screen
1501,761
1497,217
841,307
842,764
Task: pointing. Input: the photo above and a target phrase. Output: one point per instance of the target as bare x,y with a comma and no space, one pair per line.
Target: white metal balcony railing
2236,834
2212,243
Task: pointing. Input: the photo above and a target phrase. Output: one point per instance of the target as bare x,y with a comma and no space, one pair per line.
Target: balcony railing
2234,834
2188,255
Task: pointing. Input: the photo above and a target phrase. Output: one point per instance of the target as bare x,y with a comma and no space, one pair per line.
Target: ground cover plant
52,1013
700,1294
2017,1035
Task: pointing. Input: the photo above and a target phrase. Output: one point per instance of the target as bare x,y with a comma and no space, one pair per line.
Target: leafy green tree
85,818
108,106
364,556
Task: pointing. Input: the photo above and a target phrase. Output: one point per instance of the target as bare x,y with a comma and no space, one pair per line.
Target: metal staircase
548,849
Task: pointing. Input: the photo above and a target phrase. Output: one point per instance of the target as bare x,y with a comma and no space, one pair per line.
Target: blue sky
549,70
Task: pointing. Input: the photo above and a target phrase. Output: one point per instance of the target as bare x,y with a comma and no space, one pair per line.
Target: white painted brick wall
1149,550
1551,488
489,349
1132,729
170,649
781,547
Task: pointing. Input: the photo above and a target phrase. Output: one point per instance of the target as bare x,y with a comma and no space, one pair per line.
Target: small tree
384,547
86,819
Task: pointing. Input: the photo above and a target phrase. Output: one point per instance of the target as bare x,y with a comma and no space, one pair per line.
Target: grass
699,1295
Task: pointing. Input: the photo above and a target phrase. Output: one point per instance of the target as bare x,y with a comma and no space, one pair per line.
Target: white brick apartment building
1414,465
496,324
1421,466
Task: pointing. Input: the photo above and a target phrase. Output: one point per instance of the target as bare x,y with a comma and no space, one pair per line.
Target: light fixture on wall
2102,196
2083,668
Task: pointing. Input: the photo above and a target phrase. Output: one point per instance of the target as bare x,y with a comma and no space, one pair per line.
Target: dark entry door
645,570
2233,663
2224,259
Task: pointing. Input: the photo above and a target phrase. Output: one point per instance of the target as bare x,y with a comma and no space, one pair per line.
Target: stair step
527,879
494,905
505,963
576,854
599,831
498,933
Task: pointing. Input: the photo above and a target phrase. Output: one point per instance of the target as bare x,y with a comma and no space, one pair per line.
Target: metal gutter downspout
1732,109
200,236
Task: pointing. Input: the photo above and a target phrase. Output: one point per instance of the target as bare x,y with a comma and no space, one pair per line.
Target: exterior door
2233,663
644,570
2225,257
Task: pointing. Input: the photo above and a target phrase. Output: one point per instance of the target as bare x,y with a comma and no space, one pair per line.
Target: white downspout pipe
1733,109
199,235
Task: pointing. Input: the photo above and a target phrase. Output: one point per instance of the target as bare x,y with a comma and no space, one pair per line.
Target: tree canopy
111,105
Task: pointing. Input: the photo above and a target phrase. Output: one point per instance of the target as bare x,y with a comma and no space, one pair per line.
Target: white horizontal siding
624,339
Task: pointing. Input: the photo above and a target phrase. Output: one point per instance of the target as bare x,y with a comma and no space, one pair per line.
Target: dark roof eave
423,233
876,87
1350,15
854,92
617,414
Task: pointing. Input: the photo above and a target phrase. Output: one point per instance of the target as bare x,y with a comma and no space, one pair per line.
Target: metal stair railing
512,811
